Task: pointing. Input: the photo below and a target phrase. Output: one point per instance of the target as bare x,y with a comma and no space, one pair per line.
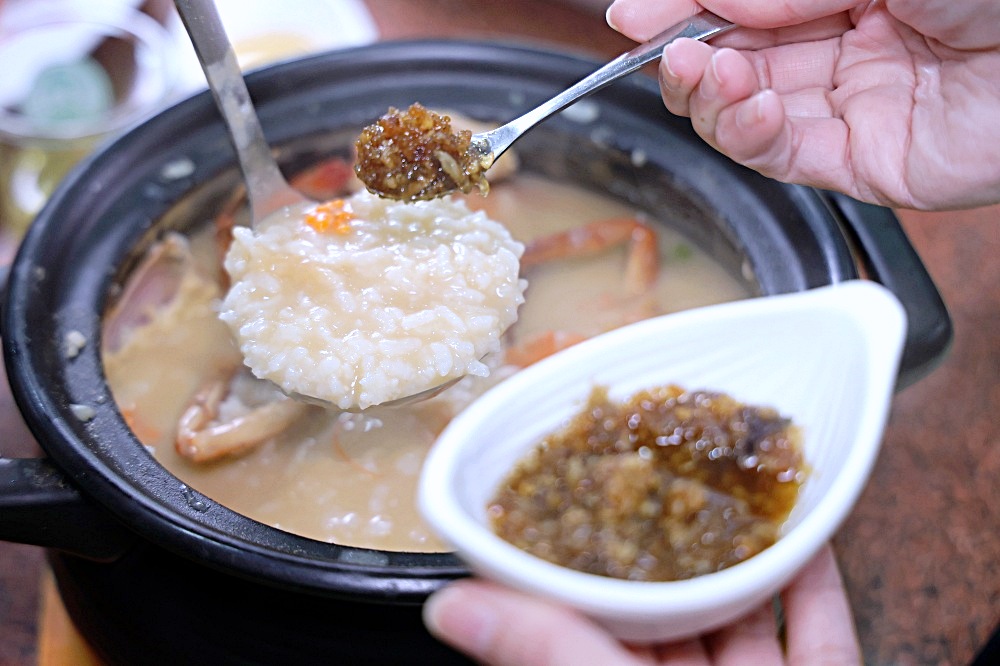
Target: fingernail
711,84
609,16
670,78
454,616
751,112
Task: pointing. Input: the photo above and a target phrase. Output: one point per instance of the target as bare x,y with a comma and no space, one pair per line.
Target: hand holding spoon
417,156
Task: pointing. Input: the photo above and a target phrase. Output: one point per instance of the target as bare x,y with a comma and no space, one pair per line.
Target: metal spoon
267,189
389,170
701,26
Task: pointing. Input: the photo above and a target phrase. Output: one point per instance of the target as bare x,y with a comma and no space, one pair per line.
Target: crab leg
201,438
643,263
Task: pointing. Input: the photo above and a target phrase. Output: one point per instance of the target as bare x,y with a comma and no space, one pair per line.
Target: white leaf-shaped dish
827,358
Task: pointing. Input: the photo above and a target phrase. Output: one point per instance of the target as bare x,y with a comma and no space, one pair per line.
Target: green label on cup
77,91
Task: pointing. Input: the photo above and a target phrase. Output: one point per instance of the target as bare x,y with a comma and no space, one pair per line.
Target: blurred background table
921,552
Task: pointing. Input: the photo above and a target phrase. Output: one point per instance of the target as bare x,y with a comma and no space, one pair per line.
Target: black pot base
152,607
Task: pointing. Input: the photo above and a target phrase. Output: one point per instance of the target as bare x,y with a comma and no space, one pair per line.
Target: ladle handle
266,186
702,25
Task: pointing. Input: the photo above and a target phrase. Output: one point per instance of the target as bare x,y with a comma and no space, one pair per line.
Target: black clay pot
151,570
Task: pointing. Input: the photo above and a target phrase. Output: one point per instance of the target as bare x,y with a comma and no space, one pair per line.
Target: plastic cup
75,74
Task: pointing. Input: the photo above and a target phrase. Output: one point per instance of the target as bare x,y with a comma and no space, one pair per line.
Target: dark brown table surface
921,552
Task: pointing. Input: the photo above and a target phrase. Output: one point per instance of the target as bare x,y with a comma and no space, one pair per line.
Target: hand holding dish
826,358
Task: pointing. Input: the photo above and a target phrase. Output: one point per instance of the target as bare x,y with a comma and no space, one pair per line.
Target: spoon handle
266,186
702,26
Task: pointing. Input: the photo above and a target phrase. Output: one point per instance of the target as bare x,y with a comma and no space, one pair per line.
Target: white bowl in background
827,358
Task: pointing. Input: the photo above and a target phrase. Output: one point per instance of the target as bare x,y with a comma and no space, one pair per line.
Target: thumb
501,627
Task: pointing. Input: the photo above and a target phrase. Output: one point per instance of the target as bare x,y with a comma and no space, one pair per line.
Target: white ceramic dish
827,358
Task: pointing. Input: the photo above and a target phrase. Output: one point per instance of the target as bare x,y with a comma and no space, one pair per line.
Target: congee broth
592,263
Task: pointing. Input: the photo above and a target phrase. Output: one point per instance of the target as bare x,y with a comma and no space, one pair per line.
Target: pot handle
38,506
890,259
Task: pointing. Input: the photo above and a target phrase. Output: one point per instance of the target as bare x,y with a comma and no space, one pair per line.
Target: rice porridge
370,300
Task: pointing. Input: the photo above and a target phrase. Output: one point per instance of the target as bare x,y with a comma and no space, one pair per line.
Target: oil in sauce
667,485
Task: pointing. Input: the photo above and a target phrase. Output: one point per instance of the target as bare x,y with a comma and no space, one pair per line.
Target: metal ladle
267,190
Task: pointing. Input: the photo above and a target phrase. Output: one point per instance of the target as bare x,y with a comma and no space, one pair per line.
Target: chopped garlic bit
73,342
83,412
181,168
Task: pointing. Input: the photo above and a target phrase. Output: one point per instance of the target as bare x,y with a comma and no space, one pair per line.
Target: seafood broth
351,478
